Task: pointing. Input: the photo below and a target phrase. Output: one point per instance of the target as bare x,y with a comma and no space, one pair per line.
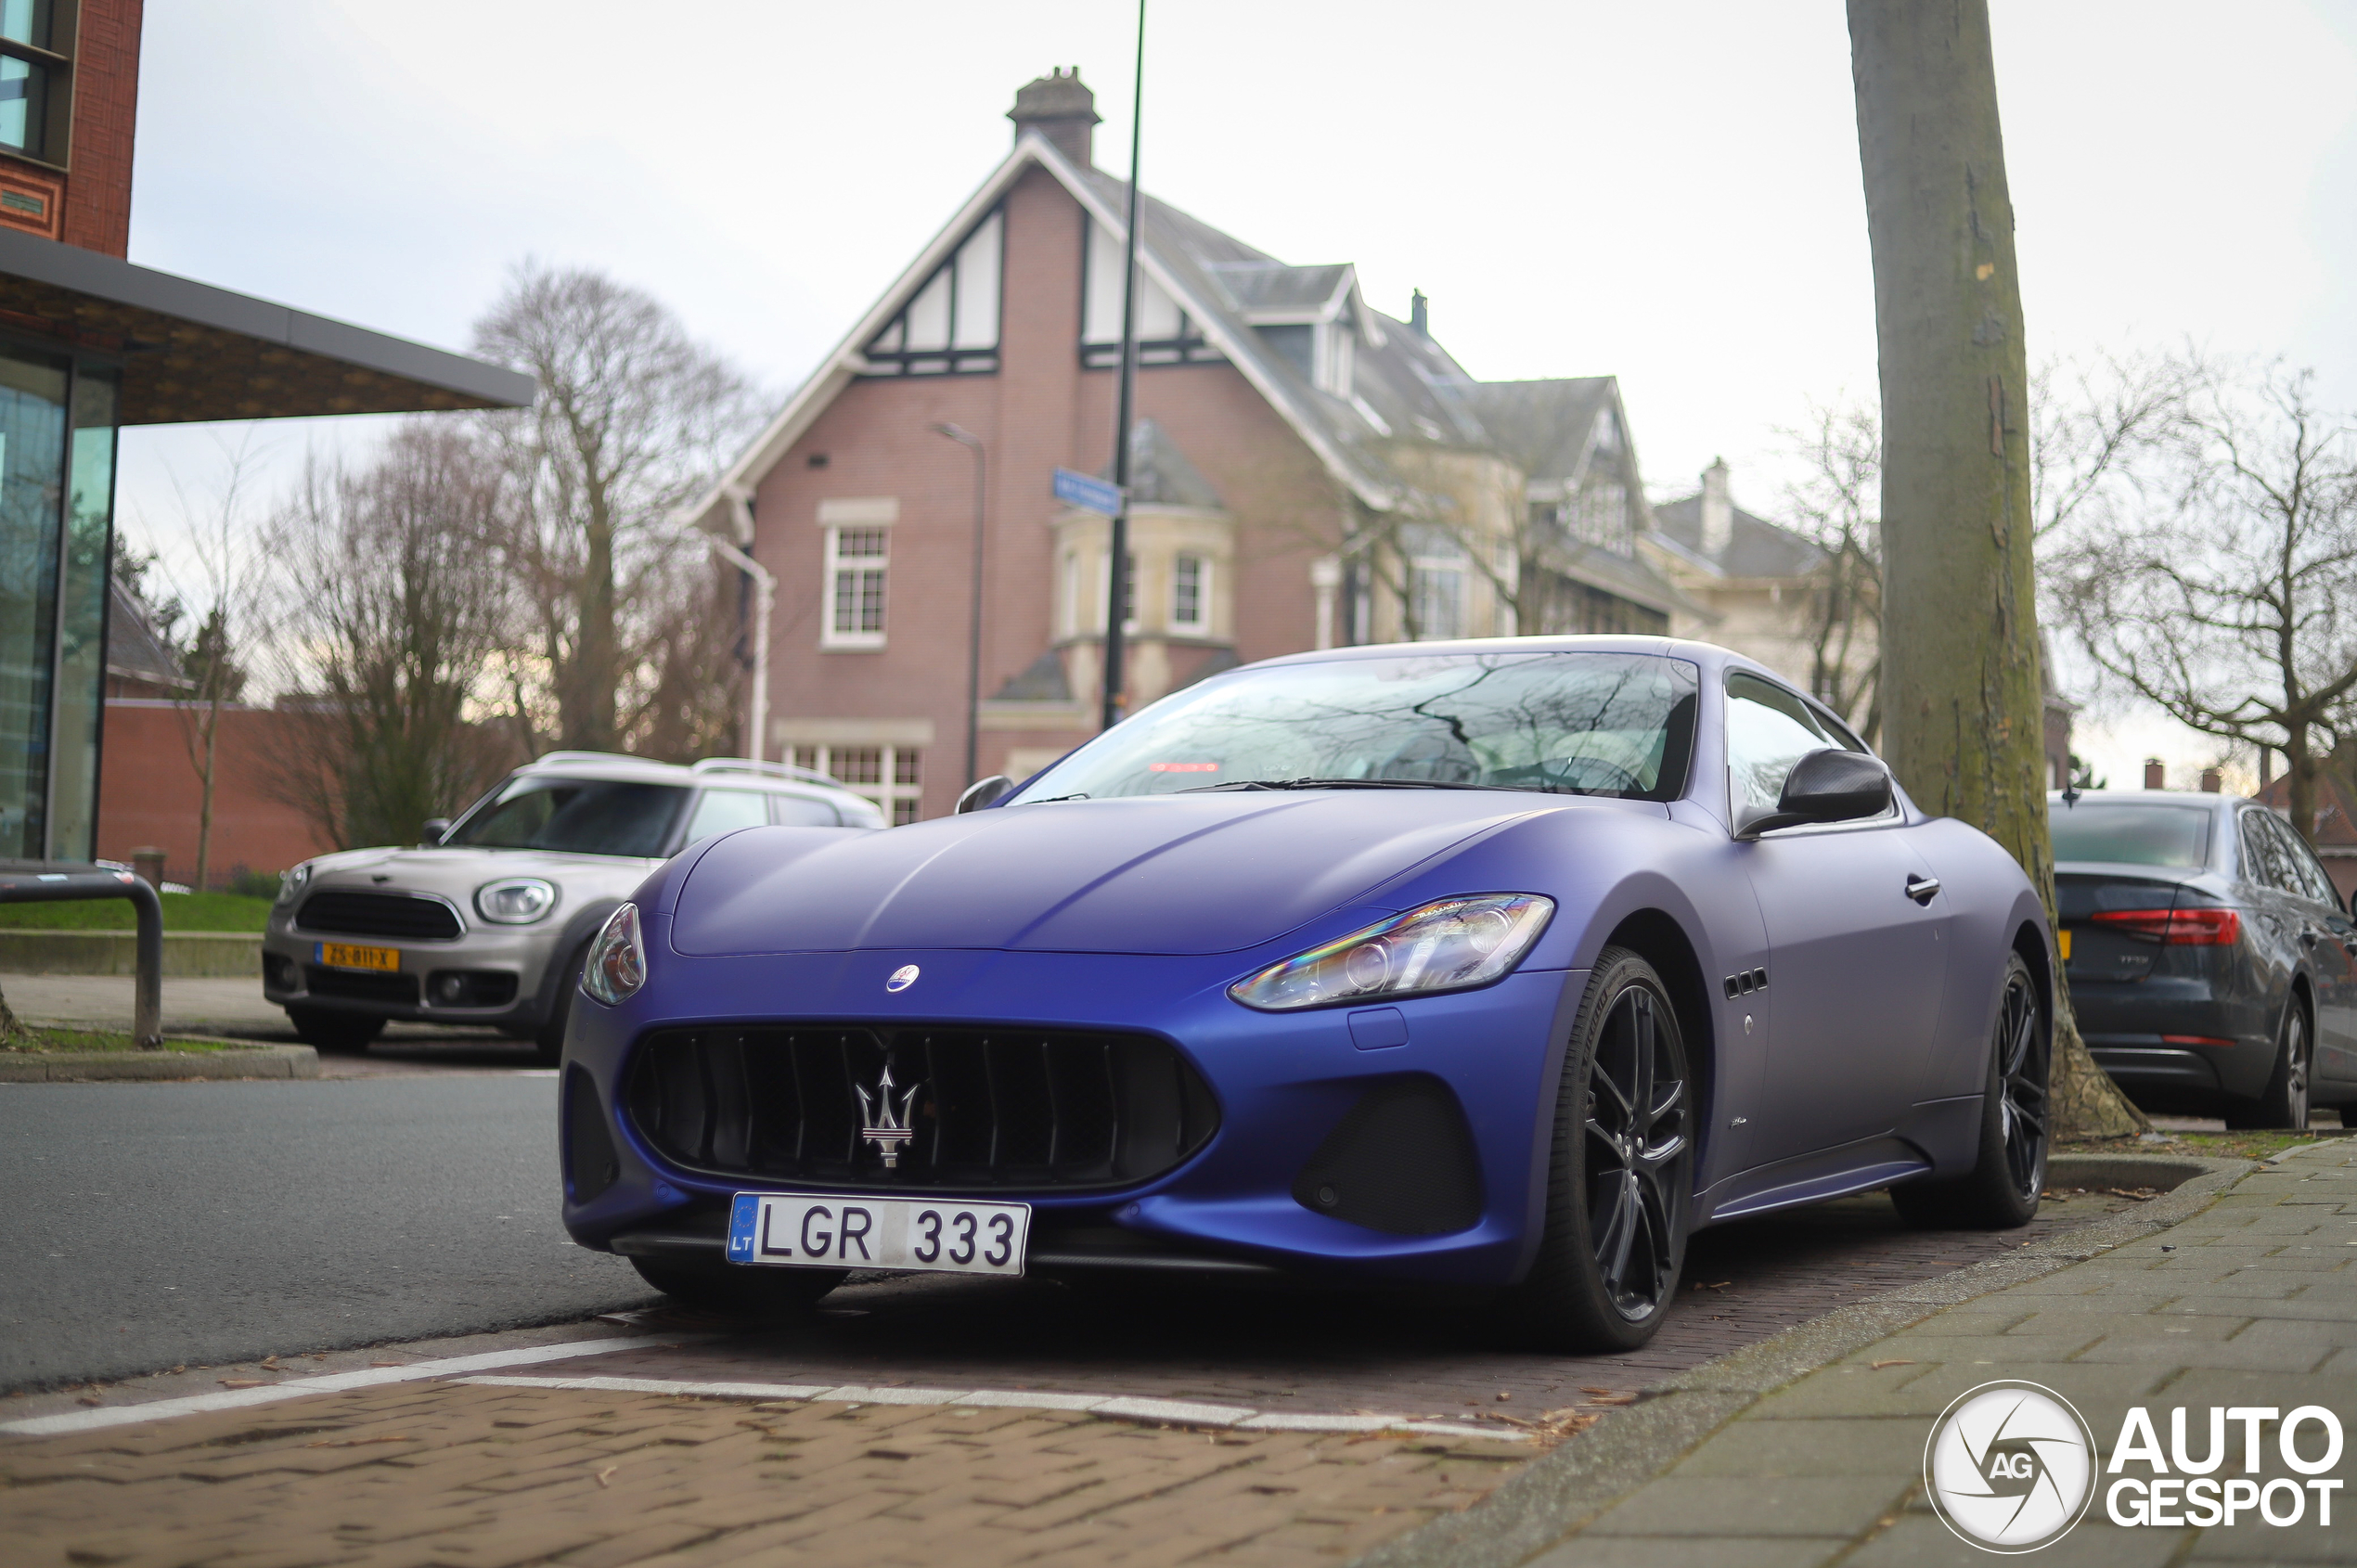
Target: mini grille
378,914
360,986
993,1108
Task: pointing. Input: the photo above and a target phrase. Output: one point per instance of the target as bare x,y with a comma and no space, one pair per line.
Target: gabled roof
135,650
2336,825
1756,547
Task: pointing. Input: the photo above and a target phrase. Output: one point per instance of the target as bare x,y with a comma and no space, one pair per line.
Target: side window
2263,857
2308,877
801,811
723,811
1768,730
1843,735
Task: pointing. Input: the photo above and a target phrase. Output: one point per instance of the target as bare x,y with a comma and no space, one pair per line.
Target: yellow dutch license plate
344,956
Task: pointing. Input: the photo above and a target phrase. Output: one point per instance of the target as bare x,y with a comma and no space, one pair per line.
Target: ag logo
2010,1465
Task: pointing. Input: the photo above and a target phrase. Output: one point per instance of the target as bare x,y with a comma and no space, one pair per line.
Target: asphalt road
148,1226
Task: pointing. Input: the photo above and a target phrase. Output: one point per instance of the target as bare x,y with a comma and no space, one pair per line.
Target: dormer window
1166,335
951,326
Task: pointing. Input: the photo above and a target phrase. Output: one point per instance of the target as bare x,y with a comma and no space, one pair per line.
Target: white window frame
829,634
887,793
1201,625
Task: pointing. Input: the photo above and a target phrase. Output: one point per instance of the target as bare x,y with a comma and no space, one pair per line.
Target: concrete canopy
191,352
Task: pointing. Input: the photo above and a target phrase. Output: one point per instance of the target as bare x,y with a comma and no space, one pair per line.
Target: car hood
455,873
1166,874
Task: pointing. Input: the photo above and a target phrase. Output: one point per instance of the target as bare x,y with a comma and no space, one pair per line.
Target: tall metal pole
764,591
972,443
1118,565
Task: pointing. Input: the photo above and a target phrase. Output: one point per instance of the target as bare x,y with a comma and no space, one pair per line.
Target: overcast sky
1665,193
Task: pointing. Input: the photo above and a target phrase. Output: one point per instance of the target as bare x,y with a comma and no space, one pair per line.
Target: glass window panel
82,659
725,811
2131,835
33,440
802,811
24,88
978,288
904,765
929,315
575,817
1768,730
859,764
1186,591
25,21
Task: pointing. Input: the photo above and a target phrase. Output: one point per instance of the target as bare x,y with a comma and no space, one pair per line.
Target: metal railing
46,882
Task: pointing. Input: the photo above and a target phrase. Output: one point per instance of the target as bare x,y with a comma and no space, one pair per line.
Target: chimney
2213,780
1718,510
1417,322
1060,108
2155,776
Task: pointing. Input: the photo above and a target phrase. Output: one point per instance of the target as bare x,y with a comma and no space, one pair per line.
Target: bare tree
633,417
394,620
1838,503
1960,651
2229,600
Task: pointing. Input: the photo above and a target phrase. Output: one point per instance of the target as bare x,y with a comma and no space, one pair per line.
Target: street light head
963,437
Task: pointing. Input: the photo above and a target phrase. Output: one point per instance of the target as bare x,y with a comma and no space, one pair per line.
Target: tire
327,1031
2283,1103
739,1289
550,1037
1620,1172
2001,1191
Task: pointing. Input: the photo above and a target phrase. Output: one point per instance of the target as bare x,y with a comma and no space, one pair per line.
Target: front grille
360,986
379,914
993,1108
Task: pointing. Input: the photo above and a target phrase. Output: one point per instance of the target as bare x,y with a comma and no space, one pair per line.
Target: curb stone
1554,1495
245,1060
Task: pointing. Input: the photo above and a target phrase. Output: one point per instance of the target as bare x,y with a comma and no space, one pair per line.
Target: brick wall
105,114
149,791
1041,410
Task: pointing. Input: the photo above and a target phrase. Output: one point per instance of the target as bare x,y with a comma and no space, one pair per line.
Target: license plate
833,1231
343,956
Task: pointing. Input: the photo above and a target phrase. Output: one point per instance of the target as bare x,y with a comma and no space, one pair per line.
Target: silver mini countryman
486,923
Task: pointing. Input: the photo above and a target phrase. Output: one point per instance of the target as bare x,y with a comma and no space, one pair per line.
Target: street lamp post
1118,565
972,443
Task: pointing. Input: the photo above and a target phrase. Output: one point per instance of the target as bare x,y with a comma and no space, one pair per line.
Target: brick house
1307,471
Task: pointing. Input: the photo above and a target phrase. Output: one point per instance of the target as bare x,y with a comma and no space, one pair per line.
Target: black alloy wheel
2001,1191
2285,1101
1622,1170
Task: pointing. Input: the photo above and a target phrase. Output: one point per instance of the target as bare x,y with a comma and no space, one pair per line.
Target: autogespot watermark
2011,1467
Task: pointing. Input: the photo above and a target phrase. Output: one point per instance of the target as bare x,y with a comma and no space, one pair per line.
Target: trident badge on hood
887,1125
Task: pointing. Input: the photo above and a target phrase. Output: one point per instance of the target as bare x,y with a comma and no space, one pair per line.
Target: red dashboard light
1182,767
2177,928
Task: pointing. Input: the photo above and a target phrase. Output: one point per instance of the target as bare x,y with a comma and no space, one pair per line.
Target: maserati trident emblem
902,978
887,1125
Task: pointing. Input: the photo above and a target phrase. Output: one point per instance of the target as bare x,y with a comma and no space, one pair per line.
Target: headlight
617,963
519,901
1449,945
293,882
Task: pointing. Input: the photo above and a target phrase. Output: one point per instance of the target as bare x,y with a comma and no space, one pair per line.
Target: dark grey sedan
2209,955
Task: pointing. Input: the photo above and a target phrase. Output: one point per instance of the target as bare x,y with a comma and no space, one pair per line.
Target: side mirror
983,792
437,829
1827,785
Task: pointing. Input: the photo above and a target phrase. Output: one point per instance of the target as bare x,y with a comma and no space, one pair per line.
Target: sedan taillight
2177,928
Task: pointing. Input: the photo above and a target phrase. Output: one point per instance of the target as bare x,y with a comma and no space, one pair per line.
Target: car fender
1991,900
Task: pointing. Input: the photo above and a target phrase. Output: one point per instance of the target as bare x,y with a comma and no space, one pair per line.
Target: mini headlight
292,882
617,962
1449,945
519,901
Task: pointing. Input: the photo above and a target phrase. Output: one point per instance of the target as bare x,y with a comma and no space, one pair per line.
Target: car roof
2202,799
735,773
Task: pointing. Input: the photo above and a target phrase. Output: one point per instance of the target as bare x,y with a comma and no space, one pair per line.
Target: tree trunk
1963,706
205,808
11,1032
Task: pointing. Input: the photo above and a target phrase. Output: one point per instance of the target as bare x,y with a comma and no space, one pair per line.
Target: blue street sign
1089,493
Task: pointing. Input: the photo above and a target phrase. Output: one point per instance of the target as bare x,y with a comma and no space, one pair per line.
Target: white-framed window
857,562
1190,593
892,777
1436,584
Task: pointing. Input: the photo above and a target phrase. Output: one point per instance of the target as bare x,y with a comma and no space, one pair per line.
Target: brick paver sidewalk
2252,1302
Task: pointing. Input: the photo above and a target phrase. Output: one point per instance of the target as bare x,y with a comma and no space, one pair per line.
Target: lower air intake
1402,1162
980,1107
590,1166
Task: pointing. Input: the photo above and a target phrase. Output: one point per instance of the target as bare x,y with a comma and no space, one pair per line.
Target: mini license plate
833,1231
344,956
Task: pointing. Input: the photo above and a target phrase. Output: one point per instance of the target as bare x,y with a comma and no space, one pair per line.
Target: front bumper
1283,1083
506,969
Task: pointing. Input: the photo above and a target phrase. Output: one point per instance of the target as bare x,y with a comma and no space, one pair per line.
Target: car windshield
1571,723
577,815
2132,835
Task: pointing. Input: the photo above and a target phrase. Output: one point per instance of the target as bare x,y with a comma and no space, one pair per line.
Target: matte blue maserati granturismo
1501,963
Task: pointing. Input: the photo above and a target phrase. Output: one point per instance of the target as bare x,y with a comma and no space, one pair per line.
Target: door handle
1921,889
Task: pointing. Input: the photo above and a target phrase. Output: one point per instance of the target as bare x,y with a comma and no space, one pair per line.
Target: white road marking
331,1382
1113,1407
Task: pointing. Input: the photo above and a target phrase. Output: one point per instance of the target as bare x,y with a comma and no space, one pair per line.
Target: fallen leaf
1591,1388
241,1382
605,1474
89,1399
1614,1399
1505,1394
1879,1365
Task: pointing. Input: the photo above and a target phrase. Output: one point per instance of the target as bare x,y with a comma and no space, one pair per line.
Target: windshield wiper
1241,784
1051,800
